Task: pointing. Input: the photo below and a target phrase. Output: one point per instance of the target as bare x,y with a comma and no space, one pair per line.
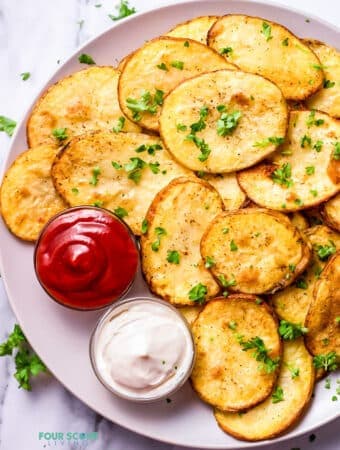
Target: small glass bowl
66,211
113,311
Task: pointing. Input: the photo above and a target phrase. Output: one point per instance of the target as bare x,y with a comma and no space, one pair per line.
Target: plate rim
11,154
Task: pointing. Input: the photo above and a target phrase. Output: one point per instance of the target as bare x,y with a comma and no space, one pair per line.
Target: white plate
60,336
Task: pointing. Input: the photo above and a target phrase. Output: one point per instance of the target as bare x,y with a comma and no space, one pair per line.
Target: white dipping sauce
143,349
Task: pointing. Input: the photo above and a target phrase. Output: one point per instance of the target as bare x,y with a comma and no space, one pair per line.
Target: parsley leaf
325,251
277,395
228,122
159,231
95,176
201,144
260,353
266,31
120,212
98,203
25,76
290,331
327,361
336,153
198,293
301,283
123,11
154,167
209,262
181,127
120,125
312,121
233,246
328,84
173,257
282,175
134,169
162,66
13,341
146,103
271,140
151,149
7,125
226,51
310,170
318,146
145,226
60,133
116,165
186,44
285,42
177,64
295,372
86,59
75,190
226,283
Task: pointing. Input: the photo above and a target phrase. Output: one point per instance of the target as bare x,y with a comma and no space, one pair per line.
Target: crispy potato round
226,375
260,46
159,66
116,185
182,209
253,248
303,172
292,303
328,98
196,29
323,315
269,419
233,142
84,101
28,198
227,186
299,220
331,212
190,313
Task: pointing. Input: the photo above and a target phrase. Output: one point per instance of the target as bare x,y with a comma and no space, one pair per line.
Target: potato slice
227,186
182,210
253,249
323,315
303,172
269,419
229,131
155,69
260,46
28,198
225,374
190,313
331,212
91,170
196,29
292,303
328,98
84,101
298,220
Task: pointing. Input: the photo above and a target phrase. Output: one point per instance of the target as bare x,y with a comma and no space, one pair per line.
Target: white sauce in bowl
142,349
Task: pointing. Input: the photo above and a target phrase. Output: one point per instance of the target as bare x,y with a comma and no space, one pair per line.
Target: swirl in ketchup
86,258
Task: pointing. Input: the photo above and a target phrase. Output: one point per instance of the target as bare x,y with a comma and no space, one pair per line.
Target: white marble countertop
34,35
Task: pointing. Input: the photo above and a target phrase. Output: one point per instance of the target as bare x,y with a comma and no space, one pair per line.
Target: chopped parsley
198,293
266,31
325,251
7,125
327,383
134,169
277,395
162,66
310,170
318,146
154,167
225,230
282,175
233,246
328,84
98,203
75,190
294,371
226,283
146,103
199,142
271,140
336,153
186,44
123,11
177,65
145,226
260,353
25,76
289,331
116,165
95,176
327,361
86,59
298,201
301,283
314,192
181,127
228,122
120,125
60,134
209,262
306,141
226,51
285,42
232,325
173,257
159,231
120,212
151,149
292,267
312,121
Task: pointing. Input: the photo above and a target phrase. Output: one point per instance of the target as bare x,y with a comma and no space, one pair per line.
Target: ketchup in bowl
86,258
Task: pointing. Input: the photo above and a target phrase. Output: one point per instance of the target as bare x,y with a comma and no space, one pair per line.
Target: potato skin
269,420
331,212
255,53
199,203
221,375
196,28
323,331
252,230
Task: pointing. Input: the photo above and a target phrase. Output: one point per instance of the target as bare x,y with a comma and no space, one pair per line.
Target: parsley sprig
325,251
283,175
271,140
290,331
336,153
260,353
7,125
227,122
159,231
267,31
198,293
327,361
27,363
199,142
120,125
146,103
124,10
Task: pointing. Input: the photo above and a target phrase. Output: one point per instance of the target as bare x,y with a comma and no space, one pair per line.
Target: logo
50,439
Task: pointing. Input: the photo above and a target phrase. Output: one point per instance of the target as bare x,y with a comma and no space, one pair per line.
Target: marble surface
35,35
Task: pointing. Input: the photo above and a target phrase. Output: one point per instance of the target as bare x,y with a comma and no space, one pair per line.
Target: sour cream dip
142,349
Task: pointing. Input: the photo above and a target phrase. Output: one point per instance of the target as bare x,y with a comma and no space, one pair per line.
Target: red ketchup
86,258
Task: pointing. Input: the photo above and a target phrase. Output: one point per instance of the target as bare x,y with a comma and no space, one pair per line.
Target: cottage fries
218,143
